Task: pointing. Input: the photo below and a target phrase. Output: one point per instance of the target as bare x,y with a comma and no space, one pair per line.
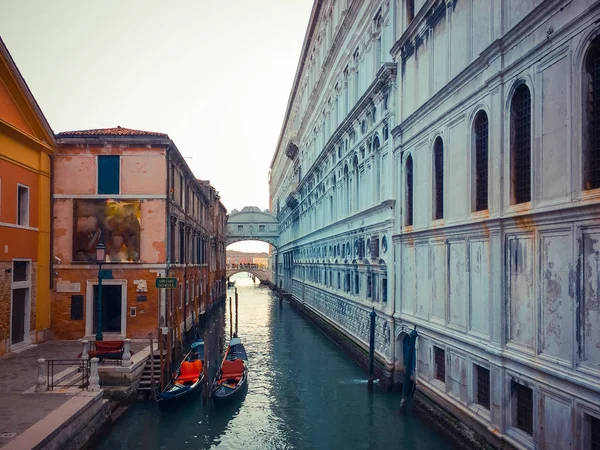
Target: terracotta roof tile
117,131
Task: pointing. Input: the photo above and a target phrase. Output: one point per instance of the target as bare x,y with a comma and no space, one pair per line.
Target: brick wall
5,280
146,319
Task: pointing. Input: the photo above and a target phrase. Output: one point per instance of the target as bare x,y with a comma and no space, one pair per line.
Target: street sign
166,283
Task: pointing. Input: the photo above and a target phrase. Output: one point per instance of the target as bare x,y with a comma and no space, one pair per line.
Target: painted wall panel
75,174
440,56
521,330
438,281
456,175
557,297
591,296
458,285
423,297
144,174
459,48
408,279
481,26
423,74
458,376
557,420
479,276
554,175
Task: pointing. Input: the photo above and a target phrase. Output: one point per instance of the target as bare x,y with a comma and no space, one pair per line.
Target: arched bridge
259,272
252,224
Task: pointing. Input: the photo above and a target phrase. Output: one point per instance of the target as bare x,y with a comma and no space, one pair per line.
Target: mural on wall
117,221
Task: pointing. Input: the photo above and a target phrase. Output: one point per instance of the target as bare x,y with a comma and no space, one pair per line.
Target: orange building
26,150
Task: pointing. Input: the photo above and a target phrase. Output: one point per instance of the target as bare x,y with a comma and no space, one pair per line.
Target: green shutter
108,174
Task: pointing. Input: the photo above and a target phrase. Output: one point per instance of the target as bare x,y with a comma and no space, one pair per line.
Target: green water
304,393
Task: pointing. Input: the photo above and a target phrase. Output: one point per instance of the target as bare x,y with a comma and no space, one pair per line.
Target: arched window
591,123
480,132
376,169
520,145
438,179
346,190
356,177
409,191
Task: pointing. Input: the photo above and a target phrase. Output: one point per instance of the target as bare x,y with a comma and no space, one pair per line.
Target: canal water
304,393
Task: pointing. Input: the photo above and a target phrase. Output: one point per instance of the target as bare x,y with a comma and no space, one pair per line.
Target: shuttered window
108,174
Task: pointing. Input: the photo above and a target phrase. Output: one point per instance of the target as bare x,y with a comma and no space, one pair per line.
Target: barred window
594,433
591,124
483,386
481,161
438,159
520,115
409,190
524,407
440,364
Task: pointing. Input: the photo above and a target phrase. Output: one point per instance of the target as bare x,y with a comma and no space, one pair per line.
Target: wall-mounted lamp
8,270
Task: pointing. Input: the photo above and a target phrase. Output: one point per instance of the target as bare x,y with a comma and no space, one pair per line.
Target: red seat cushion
232,369
190,371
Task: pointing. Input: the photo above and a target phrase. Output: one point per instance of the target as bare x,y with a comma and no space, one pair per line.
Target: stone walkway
18,373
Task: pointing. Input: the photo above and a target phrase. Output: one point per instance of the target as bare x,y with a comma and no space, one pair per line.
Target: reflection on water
304,392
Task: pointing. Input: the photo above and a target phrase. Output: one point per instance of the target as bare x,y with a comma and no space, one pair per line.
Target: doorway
18,315
111,309
20,304
114,306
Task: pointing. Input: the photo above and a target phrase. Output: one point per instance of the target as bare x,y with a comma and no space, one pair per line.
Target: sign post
166,283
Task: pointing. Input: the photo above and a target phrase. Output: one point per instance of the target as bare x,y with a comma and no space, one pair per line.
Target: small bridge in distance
254,269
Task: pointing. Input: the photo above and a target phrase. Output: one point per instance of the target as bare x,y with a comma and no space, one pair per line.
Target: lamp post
100,255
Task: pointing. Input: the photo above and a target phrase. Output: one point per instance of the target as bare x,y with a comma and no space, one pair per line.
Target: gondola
187,381
231,379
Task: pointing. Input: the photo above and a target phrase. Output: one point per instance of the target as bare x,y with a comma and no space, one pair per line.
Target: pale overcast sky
214,75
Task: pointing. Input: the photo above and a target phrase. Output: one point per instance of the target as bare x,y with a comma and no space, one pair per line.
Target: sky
214,75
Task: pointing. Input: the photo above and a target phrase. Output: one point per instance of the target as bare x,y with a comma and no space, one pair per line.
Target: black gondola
187,381
232,377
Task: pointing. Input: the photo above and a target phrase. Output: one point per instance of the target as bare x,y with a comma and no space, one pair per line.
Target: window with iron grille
438,156
483,386
440,364
409,190
520,112
481,161
594,433
524,407
592,123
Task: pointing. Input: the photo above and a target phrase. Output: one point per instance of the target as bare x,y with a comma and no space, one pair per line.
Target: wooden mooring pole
236,312
230,320
162,358
152,384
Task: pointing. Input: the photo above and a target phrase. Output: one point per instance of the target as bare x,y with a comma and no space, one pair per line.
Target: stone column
94,382
42,379
126,359
85,355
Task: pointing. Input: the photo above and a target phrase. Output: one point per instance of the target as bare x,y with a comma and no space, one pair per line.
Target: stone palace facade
440,162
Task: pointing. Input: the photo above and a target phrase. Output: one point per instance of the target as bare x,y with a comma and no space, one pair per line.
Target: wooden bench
106,350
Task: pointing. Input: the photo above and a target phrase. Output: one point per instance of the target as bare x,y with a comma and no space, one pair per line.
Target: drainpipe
165,292
51,265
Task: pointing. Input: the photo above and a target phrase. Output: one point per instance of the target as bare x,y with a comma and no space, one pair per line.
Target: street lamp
100,256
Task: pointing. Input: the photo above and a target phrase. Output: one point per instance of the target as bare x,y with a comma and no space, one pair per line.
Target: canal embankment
457,429
303,392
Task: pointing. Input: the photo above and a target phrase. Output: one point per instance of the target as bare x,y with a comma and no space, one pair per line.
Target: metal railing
80,379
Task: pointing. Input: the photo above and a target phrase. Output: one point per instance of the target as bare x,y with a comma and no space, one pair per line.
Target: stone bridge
254,269
252,224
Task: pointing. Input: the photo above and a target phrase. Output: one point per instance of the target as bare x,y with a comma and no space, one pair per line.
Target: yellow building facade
26,149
